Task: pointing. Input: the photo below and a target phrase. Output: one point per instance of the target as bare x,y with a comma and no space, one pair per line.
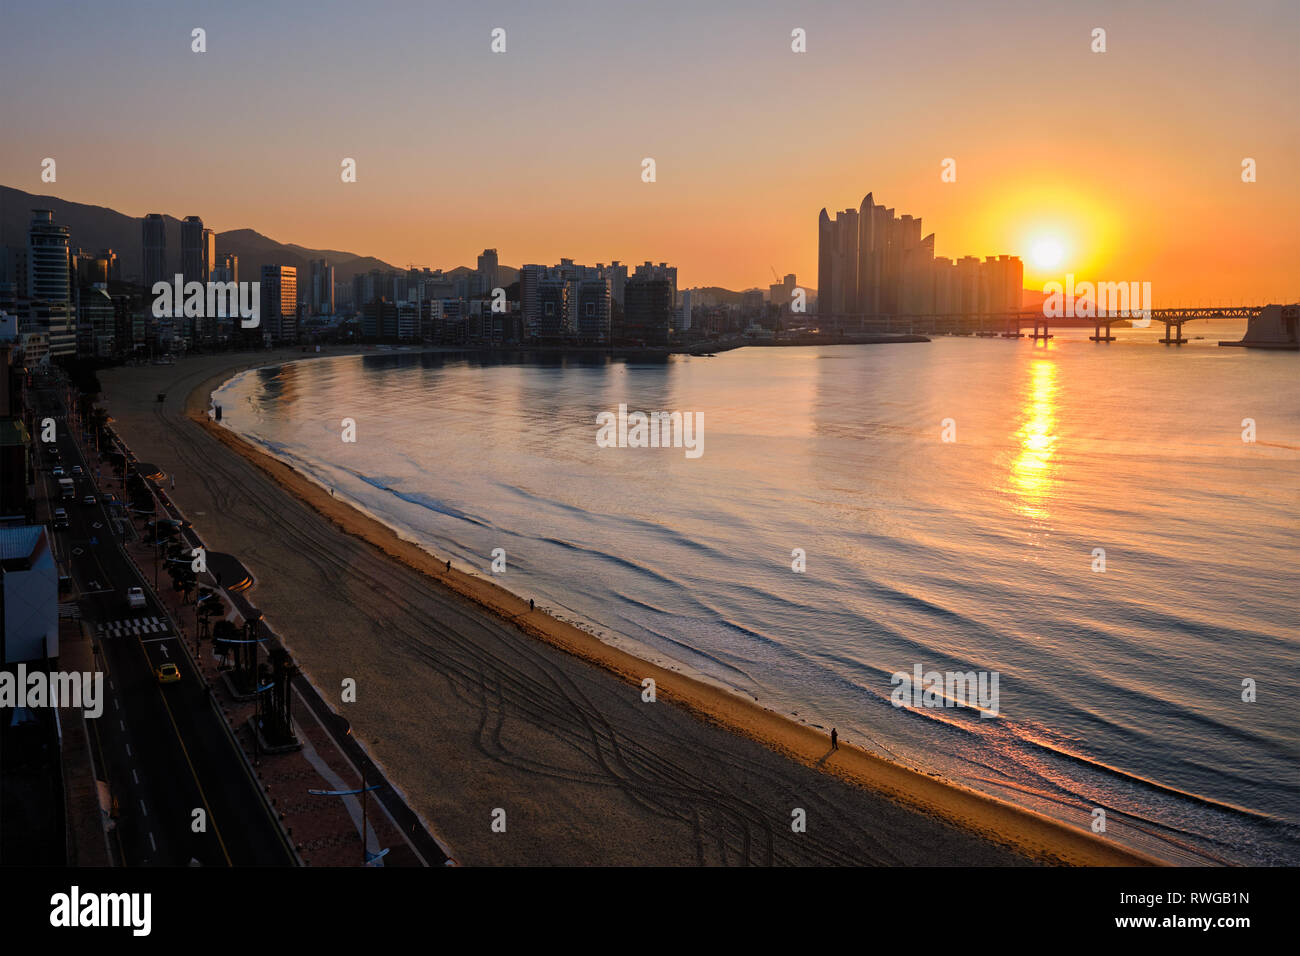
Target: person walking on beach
531,605
835,739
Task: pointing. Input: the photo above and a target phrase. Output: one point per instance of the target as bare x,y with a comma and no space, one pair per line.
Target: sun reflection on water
1033,468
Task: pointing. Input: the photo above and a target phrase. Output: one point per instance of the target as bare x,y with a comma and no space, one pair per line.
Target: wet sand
472,704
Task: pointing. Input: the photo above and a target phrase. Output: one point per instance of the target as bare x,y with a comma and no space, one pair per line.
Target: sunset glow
1113,168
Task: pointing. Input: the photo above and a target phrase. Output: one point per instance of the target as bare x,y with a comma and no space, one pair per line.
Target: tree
183,580
222,634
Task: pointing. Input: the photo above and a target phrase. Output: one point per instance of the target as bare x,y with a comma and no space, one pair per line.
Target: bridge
1009,325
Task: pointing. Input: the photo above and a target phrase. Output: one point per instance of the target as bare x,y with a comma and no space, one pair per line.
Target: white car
135,597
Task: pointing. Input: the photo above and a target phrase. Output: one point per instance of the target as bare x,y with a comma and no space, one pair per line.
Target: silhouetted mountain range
97,227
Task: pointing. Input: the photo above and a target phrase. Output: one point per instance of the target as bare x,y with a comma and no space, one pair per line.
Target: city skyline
356,508
1147,146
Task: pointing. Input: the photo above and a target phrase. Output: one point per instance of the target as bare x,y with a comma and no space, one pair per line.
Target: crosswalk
133,627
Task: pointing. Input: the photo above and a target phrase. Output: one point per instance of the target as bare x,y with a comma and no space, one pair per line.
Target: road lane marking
135,776
151,843
190,763
143,808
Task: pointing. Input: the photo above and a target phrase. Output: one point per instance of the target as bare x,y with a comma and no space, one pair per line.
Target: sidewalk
324,830
87,845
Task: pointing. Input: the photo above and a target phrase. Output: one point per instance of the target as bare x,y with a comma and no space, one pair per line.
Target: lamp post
366,857
345,728
155,541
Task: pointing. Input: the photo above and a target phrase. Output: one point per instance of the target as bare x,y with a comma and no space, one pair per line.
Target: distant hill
713,293
97,227
1032,299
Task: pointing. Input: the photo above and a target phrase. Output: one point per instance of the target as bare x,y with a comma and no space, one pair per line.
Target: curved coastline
1038,836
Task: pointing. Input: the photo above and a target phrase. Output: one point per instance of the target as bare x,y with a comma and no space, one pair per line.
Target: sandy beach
471,703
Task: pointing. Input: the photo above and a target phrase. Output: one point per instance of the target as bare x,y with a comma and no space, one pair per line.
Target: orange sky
1129,160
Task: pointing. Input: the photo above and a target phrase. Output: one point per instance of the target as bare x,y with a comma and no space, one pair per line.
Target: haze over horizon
1107,157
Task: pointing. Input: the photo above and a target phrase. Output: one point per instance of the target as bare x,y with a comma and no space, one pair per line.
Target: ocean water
1119,689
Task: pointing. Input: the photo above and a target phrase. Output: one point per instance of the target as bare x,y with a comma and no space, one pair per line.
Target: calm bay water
1120,690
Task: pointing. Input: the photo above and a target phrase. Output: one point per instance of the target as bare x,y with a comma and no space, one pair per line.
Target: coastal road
469,716
163,748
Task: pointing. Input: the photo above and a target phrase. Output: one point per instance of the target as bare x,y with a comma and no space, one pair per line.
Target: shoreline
1037,836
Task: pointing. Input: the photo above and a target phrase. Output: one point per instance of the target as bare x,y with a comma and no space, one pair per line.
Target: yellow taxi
168,674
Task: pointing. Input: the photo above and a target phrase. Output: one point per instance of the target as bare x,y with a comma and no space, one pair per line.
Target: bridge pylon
1096,333
1177,337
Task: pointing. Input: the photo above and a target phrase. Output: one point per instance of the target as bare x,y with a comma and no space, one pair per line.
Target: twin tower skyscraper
871,263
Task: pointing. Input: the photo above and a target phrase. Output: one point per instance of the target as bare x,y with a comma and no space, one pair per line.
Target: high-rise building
780,293
553,318
225,269
968,285
837,262
616,273
408,321
279,304
96,322
1002,280
379,319
647,309
530,277
593,312
50,280
322,287
661,271
128,323
209,252
488,269
47,258
154,228
872,263
192,250
13,269
95,267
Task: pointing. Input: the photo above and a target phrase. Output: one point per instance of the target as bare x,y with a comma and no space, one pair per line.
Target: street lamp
342,725
155,542
366,856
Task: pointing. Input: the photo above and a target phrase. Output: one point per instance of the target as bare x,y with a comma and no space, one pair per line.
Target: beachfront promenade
469,713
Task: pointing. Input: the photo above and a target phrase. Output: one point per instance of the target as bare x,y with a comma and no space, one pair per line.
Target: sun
1047,253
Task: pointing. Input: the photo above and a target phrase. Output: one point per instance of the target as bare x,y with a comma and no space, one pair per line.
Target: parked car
135,597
